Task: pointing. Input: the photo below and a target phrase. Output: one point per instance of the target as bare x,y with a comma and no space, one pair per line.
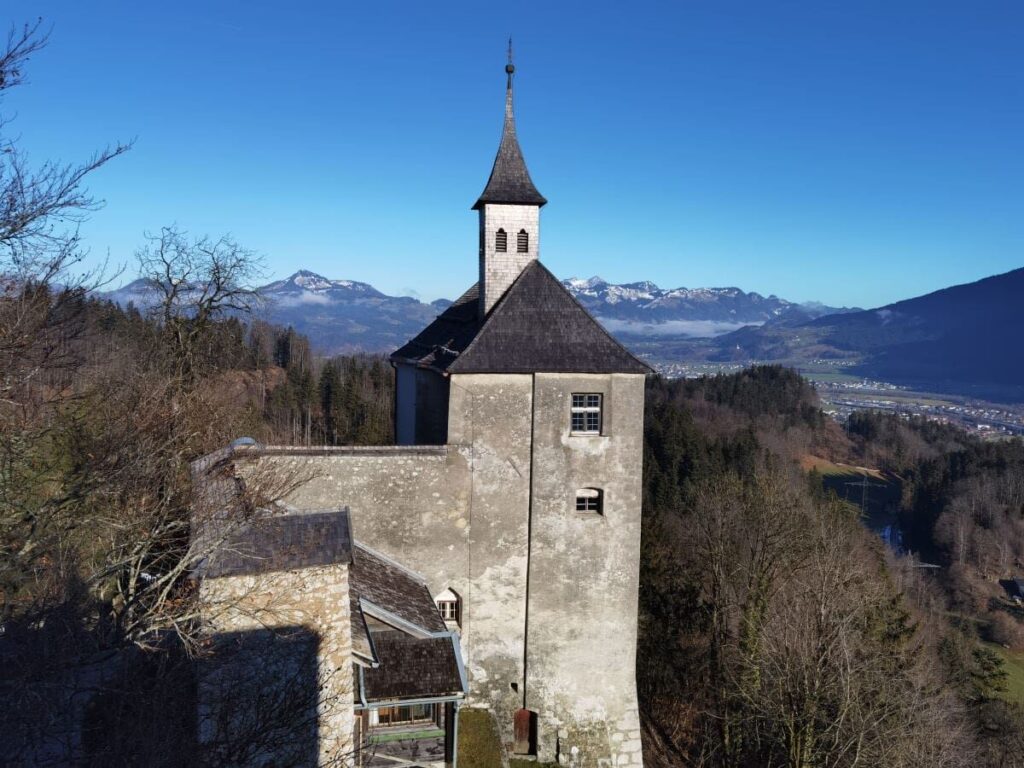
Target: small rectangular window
585,414
589,500
449,610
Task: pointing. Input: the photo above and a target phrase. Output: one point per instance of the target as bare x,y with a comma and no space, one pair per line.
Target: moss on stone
479,745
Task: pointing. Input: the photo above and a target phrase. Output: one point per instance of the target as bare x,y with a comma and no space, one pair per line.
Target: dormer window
585,413
590,500
449,605
501,241
522,242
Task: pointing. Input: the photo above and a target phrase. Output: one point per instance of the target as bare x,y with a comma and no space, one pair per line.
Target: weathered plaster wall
455,514
584,573
459,515
312,598
499,270
490,418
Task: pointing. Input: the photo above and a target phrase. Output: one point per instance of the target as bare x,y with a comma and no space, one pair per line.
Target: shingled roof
412,668
281,543
536,327
391,590
510,182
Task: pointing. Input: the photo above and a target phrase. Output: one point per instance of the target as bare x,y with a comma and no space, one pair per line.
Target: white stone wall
499,270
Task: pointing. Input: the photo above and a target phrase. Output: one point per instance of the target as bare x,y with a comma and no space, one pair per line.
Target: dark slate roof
392,588
282,543
440,343
510,181
537,326
412,668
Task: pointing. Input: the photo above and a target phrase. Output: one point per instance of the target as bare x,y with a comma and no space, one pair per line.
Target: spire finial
510,67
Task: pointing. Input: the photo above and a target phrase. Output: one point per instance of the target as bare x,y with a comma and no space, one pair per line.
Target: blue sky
848,152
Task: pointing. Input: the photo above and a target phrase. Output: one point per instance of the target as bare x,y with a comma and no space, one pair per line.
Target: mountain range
644,310
964,339
345,315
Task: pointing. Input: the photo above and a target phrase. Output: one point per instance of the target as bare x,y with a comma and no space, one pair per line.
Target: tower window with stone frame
522,241
590,500
501,241
585,413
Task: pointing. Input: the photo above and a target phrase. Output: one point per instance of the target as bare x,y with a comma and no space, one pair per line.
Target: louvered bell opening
522,241
501,241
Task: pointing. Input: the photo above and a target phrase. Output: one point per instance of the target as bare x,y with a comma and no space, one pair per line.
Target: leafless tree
198,281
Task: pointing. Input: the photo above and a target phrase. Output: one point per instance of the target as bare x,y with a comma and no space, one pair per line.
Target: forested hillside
777,630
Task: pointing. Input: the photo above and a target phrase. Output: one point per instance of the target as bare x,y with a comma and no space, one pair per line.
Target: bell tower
509,212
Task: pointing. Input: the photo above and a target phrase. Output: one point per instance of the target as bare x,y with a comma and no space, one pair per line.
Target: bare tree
198,282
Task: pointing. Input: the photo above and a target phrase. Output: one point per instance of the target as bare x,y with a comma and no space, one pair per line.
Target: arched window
449,605
500,241
522,241
590,500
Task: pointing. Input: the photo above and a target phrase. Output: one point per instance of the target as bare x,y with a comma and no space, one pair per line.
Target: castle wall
457,514
499,270
460,515
584,573
290,644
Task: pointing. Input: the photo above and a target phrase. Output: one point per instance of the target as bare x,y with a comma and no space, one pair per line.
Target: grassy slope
1013,662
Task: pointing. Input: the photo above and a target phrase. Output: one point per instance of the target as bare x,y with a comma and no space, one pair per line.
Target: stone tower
514,488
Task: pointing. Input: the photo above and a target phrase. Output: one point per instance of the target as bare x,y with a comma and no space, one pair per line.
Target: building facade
514,489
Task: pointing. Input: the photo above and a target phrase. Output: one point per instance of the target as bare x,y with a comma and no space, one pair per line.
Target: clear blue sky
848,152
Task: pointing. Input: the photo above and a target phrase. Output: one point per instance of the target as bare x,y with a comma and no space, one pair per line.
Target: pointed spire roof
510,182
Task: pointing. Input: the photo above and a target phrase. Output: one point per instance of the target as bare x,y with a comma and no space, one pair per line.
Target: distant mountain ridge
347,315
643,308
964,339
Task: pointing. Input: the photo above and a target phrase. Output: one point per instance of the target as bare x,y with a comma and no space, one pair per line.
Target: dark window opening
501,241
590,500
522,241
416,713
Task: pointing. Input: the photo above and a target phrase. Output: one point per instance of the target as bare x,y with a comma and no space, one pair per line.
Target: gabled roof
536,327
392,591
510,182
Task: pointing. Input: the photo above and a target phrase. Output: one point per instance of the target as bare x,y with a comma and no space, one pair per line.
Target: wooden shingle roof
536,327
510,182
413,668
282,543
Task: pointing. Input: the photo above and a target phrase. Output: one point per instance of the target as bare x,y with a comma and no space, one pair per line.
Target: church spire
510,182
